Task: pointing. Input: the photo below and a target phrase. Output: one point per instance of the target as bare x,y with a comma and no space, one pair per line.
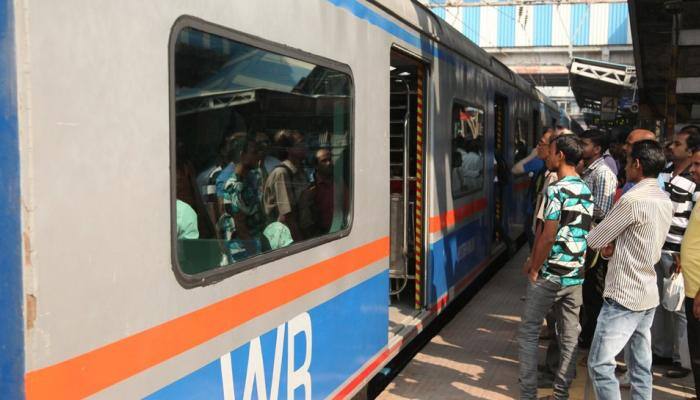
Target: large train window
262,146
467,149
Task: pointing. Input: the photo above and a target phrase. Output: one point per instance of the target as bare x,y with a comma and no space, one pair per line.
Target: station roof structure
593,80
666,38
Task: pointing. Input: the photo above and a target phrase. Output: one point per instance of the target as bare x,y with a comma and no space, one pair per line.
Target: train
236,200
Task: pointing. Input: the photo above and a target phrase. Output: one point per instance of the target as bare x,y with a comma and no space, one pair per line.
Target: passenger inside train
262,151
468,157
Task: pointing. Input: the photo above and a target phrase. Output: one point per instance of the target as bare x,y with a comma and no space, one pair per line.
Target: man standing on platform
690,266
556,268
635,136
632,233
603,184
668,332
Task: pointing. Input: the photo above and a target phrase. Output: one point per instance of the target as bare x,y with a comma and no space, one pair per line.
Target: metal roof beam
614,76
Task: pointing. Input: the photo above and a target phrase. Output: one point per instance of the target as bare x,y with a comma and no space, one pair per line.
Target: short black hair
282,141
571,146
693,132
651,157
690,129
599,138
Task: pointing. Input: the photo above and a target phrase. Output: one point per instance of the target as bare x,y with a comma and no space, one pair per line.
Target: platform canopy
666,38
600,85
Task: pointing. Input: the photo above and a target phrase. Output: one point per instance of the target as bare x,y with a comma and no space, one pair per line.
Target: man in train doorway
555,269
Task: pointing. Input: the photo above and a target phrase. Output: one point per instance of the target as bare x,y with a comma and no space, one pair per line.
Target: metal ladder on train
400,209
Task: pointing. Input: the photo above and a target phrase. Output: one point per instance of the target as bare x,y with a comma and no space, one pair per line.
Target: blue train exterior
102,302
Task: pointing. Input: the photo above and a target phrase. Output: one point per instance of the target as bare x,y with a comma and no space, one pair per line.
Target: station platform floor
475,356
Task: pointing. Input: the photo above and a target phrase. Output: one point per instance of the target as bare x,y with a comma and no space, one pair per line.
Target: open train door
407,189
501,173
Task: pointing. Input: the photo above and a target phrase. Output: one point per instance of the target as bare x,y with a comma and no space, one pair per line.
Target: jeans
668,332
616,327
541,295
693,342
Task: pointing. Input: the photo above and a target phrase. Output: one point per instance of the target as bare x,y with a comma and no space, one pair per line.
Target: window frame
459,101
218,274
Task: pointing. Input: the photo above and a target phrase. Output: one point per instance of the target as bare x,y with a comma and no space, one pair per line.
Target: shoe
625,381
620,368
677,371
658,360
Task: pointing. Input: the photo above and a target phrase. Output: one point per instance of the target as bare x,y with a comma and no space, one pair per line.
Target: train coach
149,251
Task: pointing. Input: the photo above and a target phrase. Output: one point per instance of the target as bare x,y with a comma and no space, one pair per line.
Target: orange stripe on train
101,368
453,217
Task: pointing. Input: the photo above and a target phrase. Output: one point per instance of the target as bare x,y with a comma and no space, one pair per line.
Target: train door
407,76
501,176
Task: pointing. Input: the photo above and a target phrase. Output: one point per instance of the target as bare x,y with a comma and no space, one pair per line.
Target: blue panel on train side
361,11
456,255
11,320
343,333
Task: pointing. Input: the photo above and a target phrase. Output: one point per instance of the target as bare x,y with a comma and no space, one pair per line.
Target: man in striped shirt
669,329
556,268
632,233
603,182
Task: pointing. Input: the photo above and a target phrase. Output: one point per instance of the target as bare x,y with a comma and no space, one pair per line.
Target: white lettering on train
255,370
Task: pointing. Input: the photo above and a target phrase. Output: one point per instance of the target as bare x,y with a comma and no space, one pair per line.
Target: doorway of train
500,172
406,171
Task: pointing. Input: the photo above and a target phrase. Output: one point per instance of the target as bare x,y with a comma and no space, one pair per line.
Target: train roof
419,17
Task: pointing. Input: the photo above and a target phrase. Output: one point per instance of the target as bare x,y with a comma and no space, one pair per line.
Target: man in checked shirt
632,235
603,182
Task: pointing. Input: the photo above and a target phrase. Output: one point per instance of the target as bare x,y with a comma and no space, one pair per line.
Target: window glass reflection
262,151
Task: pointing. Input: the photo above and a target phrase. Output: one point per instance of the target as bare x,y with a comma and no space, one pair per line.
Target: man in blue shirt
534,166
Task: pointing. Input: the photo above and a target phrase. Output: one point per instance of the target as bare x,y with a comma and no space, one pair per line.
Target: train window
467,149
521,143
262,153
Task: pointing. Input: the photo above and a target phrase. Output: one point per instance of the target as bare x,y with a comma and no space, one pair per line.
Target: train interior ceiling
404,74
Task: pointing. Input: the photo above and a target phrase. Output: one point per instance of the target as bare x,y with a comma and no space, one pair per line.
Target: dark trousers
593,287
693,327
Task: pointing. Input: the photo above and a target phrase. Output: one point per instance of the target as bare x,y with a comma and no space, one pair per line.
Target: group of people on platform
259,194
612,225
